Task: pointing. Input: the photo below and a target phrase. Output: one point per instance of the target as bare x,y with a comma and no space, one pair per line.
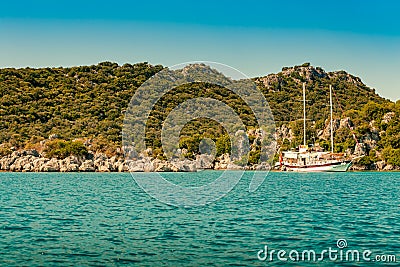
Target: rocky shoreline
32,161
376,166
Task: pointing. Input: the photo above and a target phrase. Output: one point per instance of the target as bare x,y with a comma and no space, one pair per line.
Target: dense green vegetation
88,102
388,147
197,129
62,149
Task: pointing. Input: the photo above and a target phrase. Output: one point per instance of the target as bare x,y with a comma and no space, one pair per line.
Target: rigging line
340,106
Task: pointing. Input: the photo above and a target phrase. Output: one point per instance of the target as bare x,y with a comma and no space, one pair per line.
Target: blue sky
256,37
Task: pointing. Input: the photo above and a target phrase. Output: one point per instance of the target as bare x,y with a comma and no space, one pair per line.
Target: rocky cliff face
306,73
298,73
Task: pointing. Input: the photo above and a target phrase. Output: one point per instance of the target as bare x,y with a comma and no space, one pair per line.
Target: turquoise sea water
97,219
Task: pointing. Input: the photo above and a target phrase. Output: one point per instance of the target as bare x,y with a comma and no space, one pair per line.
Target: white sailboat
305,160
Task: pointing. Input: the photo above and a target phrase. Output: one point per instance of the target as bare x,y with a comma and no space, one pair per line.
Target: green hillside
77,102
88,103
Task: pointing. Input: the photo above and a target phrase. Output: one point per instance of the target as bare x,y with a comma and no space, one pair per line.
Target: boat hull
329,167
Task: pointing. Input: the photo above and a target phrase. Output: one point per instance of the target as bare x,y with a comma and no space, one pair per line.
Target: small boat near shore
311,161
314,159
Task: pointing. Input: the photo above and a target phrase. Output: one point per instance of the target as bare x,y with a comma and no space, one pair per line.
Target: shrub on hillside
61,149
391,156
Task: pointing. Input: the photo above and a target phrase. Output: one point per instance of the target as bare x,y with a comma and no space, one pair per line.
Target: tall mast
330,100
304,112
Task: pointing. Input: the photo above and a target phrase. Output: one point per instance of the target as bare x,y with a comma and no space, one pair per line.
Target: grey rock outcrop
388,168
38,163
184,165
284,132
87,166
22,163
222,162
204,161
380,165
388,117
50,166
337,125
69,164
